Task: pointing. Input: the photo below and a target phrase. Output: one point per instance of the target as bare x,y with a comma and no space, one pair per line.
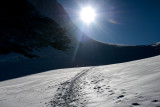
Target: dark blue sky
131,22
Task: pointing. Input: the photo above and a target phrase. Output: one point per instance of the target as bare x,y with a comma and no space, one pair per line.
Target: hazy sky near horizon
131,22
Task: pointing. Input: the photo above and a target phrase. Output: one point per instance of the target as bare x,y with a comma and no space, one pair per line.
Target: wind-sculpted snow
131,84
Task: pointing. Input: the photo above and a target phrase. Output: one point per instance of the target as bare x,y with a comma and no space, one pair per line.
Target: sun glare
87,15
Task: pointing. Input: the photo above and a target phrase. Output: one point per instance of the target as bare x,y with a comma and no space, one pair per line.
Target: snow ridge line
68,92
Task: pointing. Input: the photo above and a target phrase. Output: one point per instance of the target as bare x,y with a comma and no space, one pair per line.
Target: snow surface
130,84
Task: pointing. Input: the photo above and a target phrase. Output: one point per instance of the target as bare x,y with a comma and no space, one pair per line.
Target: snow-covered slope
131,84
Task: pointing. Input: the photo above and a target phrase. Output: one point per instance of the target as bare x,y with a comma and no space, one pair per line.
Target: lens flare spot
87,15
113,21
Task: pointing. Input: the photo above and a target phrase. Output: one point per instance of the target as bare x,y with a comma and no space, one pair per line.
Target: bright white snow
130,84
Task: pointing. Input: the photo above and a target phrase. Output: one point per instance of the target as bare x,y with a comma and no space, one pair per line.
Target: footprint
155,101
124,92
121,96
107,88
112,93
97,87
100,91
135,104
118,101
141,98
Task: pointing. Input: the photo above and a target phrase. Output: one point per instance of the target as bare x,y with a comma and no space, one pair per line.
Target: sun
87,15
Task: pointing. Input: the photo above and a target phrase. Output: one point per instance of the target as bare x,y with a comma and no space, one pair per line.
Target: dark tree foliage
23,30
